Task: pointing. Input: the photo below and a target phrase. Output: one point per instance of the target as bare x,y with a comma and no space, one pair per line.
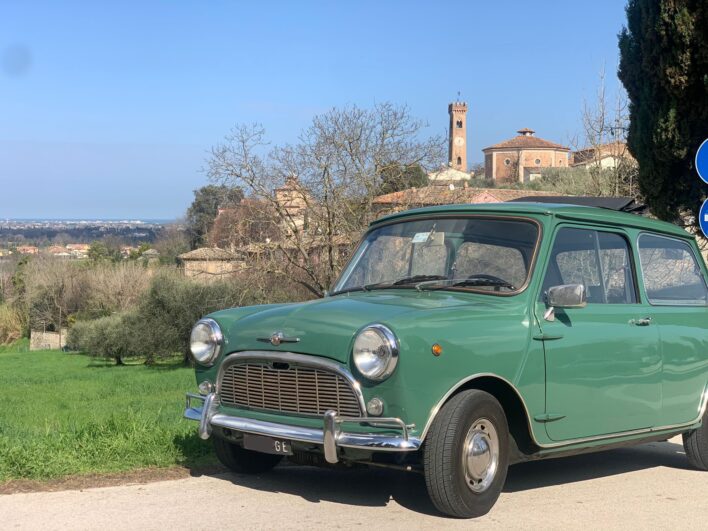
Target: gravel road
645,487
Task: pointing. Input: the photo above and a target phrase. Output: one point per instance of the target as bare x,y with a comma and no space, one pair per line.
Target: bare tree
320,190
605,126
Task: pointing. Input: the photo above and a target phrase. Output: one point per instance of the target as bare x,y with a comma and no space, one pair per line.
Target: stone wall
41,340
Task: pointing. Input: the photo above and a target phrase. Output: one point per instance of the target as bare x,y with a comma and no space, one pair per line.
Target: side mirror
564,296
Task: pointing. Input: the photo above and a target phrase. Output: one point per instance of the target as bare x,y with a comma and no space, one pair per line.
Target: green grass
64,414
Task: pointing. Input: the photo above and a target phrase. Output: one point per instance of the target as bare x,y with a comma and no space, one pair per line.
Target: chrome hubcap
480,455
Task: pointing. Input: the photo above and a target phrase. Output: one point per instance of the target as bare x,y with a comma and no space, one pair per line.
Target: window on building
459,124
537,162
459,161
671,272
598,260
507,162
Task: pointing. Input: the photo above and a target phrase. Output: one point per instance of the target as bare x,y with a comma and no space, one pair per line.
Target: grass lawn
64,414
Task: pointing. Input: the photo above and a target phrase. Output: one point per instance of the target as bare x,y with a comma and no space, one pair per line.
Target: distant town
72,238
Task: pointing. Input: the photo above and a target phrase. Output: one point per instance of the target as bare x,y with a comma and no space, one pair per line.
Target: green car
463,339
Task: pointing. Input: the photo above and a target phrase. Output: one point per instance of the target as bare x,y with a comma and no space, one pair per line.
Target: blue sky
107,109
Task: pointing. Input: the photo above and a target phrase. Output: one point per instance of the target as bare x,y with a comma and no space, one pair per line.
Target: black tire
242,461
449,486
695,442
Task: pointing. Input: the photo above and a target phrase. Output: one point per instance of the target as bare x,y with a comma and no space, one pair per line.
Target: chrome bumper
330,437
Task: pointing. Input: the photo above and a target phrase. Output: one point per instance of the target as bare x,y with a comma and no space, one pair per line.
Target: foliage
12,324
171,243
160,324
395,178
100,251
331,177
49,429
664,68
106,337
205,207
593,181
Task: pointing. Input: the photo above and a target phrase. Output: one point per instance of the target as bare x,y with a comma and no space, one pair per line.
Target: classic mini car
465,338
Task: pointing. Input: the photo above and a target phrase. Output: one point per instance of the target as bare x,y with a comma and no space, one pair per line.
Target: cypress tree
664,68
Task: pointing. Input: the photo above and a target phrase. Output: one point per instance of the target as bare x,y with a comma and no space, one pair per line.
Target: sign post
702,169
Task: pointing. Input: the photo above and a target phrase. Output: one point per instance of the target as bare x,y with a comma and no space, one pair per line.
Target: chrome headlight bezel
387,364
215,341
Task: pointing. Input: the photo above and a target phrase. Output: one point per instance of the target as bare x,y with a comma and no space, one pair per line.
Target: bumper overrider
330,437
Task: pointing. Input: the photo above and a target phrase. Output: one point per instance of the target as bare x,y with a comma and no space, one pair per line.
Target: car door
603,361
675,286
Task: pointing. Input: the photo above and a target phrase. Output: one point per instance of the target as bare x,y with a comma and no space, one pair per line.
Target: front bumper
330,437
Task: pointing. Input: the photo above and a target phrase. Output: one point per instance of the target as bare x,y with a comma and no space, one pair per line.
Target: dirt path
645,487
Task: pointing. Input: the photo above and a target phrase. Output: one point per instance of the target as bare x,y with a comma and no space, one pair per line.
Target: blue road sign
703,215
702,161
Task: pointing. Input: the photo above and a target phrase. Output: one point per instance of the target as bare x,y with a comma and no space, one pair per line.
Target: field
65,414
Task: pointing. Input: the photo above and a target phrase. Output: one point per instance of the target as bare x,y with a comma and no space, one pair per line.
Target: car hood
326,327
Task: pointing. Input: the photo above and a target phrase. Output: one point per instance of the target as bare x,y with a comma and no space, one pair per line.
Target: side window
671,273
598,260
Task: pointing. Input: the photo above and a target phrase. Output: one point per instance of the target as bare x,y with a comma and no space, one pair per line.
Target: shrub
160,325
106,337
12,324
172,305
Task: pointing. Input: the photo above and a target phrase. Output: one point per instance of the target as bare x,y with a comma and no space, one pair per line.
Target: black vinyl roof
620,204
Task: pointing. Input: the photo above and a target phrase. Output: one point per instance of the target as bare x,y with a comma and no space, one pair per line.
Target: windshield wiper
418,278
388,284
470,281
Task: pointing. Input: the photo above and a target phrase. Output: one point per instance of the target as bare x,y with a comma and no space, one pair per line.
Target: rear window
671,273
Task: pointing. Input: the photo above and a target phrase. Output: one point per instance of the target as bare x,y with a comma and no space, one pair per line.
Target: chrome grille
292,389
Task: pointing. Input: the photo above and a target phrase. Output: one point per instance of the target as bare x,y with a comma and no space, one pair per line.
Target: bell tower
457,157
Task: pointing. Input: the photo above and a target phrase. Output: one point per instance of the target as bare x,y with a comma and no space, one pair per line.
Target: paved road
644,487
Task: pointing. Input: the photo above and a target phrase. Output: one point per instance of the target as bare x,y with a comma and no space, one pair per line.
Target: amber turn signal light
437,349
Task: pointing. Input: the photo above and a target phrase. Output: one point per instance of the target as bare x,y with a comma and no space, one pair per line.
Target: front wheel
466,455
695,442
242,461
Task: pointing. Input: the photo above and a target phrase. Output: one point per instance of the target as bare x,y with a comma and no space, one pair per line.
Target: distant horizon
127,219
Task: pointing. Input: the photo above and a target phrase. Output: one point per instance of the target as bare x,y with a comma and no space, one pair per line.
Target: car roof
559,210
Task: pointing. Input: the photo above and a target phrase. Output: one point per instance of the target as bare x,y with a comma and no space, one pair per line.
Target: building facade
523,157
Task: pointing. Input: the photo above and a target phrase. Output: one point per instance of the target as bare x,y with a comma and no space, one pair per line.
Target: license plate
267,445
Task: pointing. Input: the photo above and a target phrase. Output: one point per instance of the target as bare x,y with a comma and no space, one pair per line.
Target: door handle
644,321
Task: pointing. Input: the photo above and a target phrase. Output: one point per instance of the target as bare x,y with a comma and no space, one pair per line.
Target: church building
523,157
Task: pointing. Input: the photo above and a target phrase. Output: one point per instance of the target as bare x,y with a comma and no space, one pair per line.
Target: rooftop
526,140
207,253
441,195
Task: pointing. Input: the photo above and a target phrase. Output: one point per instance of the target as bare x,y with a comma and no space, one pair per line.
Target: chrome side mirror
564,296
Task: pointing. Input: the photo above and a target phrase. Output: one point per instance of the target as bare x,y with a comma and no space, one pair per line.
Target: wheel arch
510,399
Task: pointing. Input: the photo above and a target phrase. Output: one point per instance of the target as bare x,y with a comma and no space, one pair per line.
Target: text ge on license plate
267,445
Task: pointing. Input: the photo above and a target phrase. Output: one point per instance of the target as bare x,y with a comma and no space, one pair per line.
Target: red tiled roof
526,141
442,195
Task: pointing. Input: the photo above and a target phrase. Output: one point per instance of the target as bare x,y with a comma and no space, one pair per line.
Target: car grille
292,389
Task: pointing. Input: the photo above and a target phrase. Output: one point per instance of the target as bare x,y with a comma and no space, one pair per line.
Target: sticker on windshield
420,237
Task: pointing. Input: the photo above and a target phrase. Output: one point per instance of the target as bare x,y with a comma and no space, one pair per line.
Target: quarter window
671,272
598,260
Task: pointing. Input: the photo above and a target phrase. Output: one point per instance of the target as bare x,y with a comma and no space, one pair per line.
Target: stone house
523,157
605,156
209,263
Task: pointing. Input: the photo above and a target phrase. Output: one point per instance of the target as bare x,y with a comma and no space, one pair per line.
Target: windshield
475,253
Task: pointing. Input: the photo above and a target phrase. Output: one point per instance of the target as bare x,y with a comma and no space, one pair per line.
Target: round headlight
205,341
376,352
